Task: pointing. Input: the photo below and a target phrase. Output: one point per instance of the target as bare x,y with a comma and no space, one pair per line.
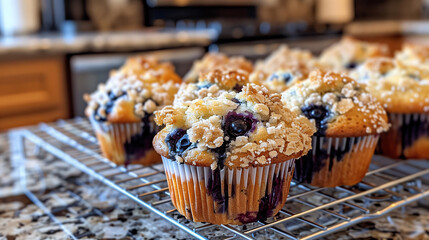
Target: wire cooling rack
308,213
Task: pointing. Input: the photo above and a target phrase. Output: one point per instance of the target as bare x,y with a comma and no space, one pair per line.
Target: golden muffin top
414,54
339,106
284,67
401,88
349,53
212,84
212,61
148,69
133,92
250,127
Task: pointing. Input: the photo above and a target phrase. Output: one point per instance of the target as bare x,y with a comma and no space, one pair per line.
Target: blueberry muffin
229,159
212,84
212,61
284,67
349,53
413,54
404,92
348,121
121,110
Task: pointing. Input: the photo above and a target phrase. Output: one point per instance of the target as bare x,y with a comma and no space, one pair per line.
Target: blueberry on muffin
121,110
284,67
229,158
348,121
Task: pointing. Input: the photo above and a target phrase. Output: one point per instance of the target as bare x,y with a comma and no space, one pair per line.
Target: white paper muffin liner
228,196
335,161
113,137
407,138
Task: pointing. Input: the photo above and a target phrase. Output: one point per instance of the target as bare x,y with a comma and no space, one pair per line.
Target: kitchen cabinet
32,90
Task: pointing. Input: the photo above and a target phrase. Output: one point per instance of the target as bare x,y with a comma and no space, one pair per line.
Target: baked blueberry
221,154
112,96
182,144
351,65
238,87
202,86
235,124
173,138
178,142
109,106
239,124
239,127
320,114
285,76
97,116
235,100
316,112
414,76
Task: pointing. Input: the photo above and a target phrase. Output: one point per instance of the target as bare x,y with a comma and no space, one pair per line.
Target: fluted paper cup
228,196
127,143
408,137
336,161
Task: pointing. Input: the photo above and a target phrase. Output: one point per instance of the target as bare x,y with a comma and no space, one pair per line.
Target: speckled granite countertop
104,41
92,211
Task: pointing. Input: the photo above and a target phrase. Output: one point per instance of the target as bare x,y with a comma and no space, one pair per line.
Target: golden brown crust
351,51
352,111
277,135
293,64
124,113
398,87
286,57
225,78
212,84
149,69
140,87
352,124
414,54
212,61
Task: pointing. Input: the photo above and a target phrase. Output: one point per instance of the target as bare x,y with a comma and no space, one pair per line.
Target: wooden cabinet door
32,91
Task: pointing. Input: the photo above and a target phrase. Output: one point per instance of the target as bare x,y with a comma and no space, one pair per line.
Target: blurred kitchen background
54,51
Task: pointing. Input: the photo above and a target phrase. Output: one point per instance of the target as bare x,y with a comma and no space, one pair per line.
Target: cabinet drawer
32,90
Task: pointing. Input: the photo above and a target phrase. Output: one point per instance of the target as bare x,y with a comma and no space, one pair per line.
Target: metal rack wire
309,212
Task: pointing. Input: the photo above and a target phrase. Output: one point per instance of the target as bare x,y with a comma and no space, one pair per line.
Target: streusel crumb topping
236,129
284,67
135,91
350,53
337,104
212,84
414,54
212,61
400,87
